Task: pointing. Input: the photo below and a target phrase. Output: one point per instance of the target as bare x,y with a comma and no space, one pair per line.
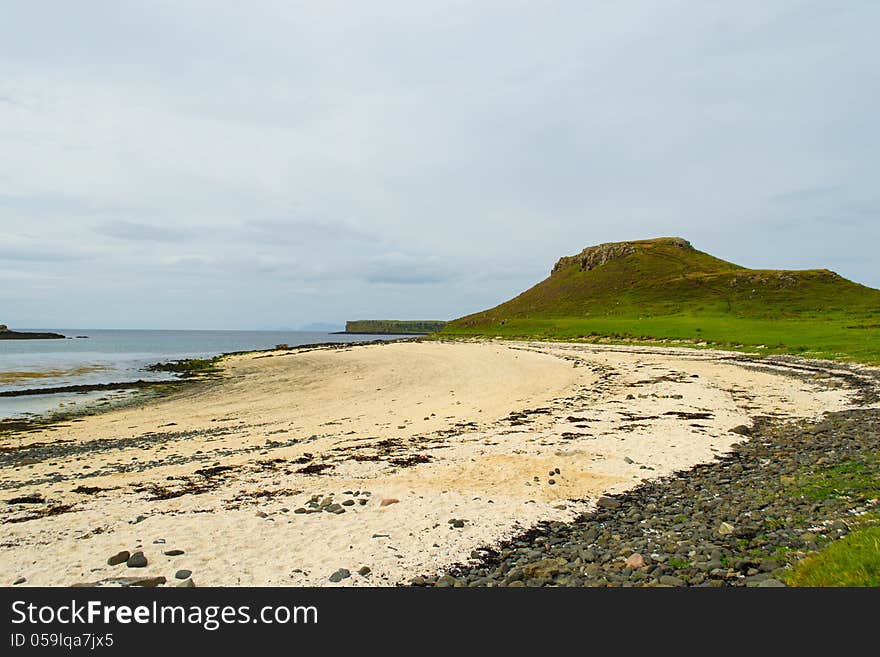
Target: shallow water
114,356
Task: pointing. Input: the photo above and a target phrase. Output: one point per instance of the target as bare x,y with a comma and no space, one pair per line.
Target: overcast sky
208,164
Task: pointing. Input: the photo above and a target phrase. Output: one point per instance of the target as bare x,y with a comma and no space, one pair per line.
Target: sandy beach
383,461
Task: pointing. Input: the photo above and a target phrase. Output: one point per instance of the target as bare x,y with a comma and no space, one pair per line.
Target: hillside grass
829,336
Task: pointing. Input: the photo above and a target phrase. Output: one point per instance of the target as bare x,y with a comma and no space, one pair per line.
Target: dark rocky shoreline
740,520
23,335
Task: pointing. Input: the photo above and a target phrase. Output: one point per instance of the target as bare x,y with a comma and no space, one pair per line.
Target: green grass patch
857,479
189,366
852,561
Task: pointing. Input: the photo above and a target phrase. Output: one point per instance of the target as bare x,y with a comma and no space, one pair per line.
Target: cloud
399,269
138,232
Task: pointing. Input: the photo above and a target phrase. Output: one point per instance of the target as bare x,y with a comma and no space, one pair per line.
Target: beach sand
429,451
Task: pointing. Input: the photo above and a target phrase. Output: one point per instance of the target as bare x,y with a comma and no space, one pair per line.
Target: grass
852,561
856,480
189,366
817,336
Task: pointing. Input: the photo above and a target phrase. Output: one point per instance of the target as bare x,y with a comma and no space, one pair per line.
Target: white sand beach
429,450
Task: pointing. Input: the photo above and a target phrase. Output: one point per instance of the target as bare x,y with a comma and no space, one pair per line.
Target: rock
261,514
726,529
458,524
606,502
551,481
628,460
148,582
770,583
543,569
118,558
363,571
183,574
418,581
388,501
635,560
19,580
186,584
670,580
742,430
173,553
348,503
137,560
299,510
340,575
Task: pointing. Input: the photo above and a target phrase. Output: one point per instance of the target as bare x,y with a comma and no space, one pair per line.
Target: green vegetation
189,366
666,290
857,479
852,561
393,326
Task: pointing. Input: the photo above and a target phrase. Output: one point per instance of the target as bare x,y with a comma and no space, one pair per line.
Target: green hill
663,288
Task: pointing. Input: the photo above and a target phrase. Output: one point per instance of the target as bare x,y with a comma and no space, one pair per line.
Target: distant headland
6,334
393,326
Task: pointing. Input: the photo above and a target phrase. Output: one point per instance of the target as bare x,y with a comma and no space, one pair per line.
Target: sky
261,165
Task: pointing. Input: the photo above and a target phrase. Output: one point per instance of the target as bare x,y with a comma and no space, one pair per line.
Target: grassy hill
665,289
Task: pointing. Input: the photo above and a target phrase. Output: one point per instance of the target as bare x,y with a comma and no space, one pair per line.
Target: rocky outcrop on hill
595,256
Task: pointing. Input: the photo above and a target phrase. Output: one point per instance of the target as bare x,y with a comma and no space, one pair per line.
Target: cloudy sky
210,164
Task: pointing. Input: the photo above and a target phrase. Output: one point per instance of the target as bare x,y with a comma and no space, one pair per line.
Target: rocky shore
742,520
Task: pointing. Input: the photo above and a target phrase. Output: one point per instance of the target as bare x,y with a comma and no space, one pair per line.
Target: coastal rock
340,575
173,553
19,580
389,501
186,584
635,560
182,574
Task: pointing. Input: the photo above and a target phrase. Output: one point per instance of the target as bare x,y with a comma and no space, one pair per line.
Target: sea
93,356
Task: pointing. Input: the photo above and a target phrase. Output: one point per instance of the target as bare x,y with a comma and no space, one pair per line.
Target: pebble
186,584
340,575
388,501
137,560
364,571
182,574
19,580
173,553
118,558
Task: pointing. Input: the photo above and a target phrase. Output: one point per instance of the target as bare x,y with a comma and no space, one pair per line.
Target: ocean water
117,356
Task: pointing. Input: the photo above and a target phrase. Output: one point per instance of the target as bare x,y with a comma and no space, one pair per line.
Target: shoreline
607,417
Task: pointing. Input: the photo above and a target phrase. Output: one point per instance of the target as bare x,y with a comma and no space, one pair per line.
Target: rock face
595,256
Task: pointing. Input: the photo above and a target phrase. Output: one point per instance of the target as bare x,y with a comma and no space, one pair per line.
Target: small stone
606,502
770,583
627,459
299,510
19,580
670,580
348,503
557,471
261,514
139,519
118,558
173,553
389,501
726,529
418,581
551,481
186,584
363,571
635,560
340,575
183,574
137,560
